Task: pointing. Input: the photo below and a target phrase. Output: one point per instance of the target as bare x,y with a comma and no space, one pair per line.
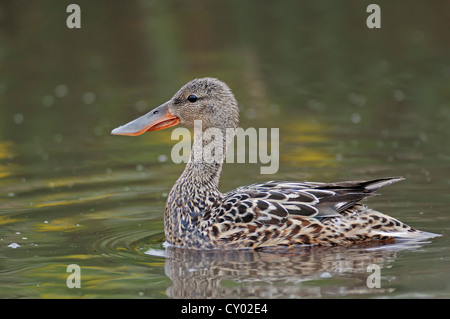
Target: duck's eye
192,98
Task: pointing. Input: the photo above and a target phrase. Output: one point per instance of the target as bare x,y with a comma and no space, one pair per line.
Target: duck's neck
206,159
196,190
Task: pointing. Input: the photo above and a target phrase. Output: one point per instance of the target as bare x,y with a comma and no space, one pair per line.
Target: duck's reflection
313,272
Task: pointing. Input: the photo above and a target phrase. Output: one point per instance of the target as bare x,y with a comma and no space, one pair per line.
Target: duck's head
206,99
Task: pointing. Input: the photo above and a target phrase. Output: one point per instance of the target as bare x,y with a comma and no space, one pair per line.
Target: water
351,103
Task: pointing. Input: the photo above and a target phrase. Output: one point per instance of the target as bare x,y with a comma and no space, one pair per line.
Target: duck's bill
157,119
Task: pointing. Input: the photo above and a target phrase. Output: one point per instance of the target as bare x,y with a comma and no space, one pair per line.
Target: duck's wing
272,202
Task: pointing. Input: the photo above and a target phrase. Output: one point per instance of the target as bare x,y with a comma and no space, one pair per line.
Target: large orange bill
157,119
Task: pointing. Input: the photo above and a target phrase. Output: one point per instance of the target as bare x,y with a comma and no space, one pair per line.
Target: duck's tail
412,234
400,231
360,223
374,185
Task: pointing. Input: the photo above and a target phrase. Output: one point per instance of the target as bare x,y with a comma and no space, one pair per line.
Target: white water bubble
356,118
162,158
61,90
423,137
48,100
88,97
156,252
58,138
18,118
325,275
399,95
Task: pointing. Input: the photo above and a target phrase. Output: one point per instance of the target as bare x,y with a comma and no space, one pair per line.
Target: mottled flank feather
292,214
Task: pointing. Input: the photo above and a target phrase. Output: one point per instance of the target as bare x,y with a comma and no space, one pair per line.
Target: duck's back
297,213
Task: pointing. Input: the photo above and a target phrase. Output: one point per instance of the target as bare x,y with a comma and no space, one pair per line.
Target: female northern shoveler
270,214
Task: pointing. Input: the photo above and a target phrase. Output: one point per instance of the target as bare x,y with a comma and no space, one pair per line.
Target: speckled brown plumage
271,214
281,214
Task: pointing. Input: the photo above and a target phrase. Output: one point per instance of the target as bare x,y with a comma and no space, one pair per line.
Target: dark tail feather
349,193
361,186
374,185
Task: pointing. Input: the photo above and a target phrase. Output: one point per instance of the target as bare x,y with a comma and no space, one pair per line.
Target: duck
269,215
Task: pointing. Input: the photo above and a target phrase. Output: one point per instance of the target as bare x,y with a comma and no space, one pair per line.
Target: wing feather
272,202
